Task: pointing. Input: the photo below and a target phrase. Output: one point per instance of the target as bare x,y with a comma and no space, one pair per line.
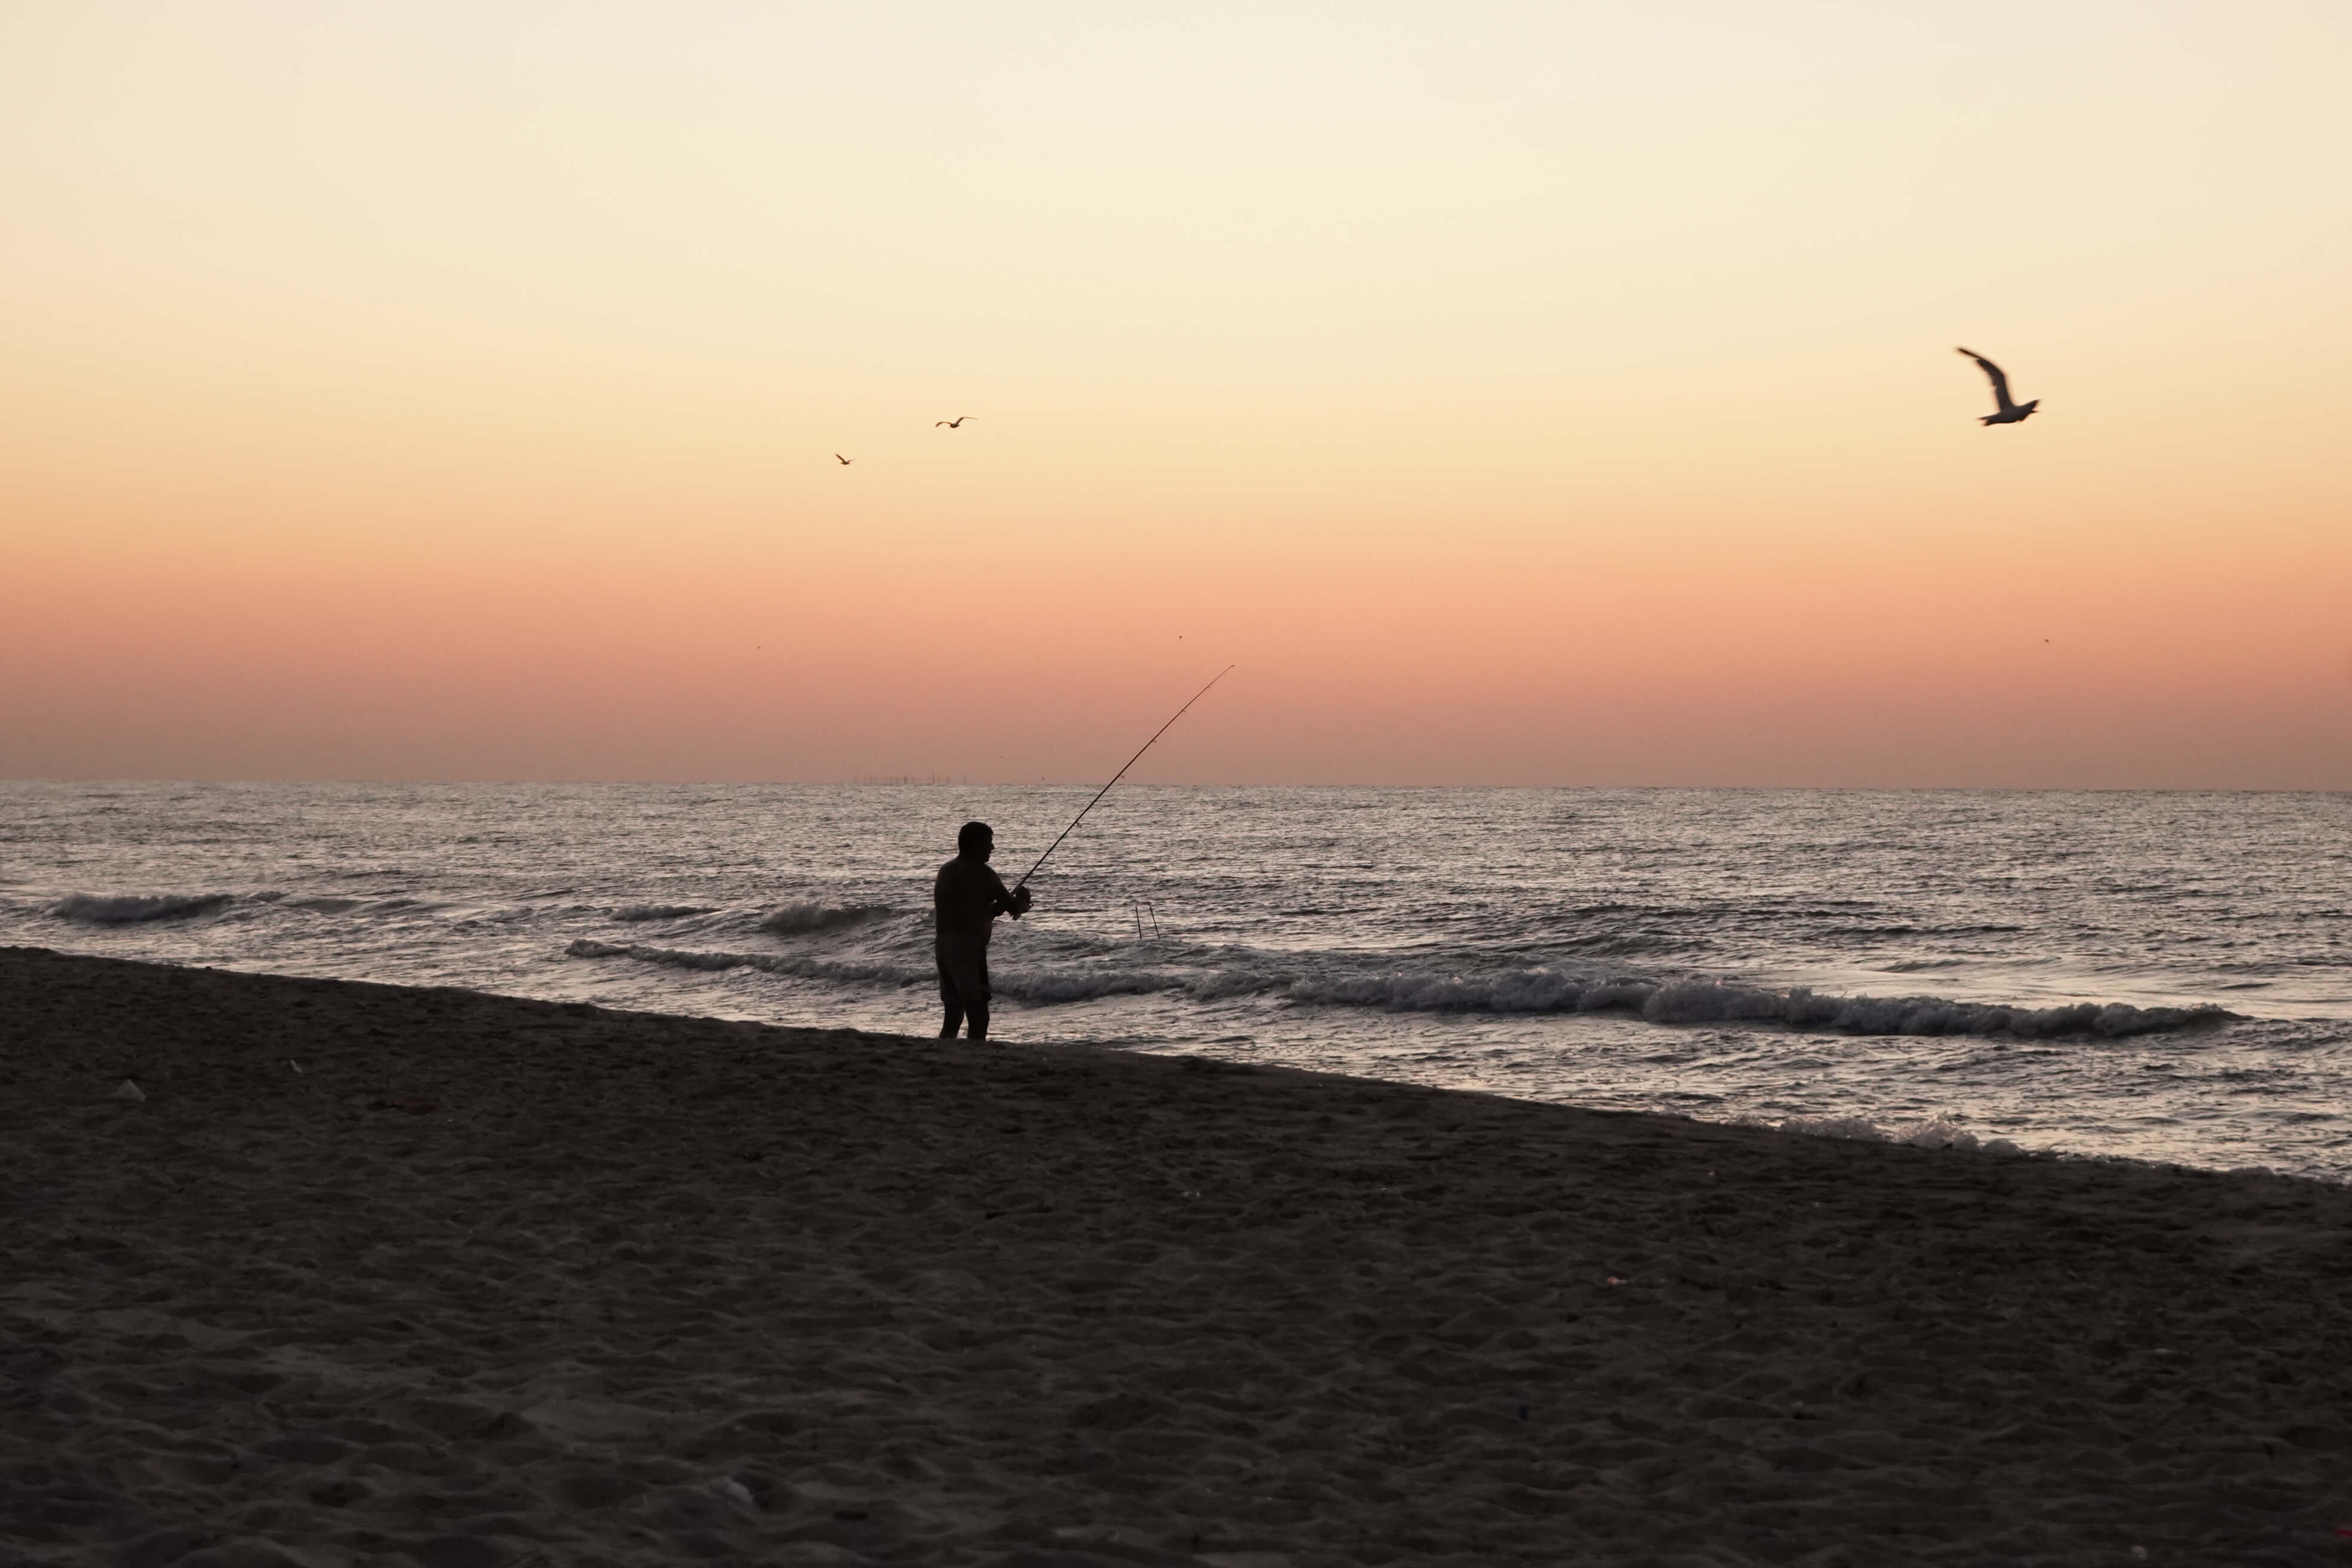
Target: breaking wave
1936,1132
1714,1001
868,974
1029,985
808,920
1521,991
132,908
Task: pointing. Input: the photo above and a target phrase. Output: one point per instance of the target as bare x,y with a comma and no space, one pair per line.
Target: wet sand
376,1274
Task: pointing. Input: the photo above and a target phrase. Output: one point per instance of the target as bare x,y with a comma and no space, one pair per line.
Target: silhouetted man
967,896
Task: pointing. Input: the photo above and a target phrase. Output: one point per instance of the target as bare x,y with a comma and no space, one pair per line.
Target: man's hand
1020,902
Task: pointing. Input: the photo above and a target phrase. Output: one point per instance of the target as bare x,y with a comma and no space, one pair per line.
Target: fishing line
1121,775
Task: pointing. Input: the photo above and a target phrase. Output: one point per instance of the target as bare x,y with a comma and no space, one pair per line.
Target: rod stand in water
1121,775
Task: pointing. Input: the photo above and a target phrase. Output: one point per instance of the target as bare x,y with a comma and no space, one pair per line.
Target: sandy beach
373,1274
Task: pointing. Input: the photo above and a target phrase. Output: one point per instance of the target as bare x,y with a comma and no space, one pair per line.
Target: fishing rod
1118,776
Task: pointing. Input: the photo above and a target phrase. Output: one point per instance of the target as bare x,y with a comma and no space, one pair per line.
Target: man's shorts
963,967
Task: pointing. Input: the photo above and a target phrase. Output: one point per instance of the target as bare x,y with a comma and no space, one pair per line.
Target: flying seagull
2008,413
950,424
842,460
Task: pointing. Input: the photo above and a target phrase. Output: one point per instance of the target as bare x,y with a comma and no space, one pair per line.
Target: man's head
976,840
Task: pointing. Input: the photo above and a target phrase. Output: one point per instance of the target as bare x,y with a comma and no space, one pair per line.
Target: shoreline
1928,1124
377,1269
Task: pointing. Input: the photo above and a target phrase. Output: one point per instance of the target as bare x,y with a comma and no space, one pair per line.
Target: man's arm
1008,902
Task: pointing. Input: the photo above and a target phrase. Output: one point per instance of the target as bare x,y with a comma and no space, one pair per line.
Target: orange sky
1518,395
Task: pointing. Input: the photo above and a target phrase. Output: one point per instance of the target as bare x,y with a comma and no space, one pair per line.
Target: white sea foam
1717,1002
1936,1132
1700,1002
132,908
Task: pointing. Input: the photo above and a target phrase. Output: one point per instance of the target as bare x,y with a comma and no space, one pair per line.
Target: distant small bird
842,460
2007,413
950,424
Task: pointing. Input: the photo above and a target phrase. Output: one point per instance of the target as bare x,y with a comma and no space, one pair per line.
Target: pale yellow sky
1522,393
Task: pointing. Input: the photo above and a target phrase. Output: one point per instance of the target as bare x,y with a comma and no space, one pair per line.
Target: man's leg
977,993
963,981
951,997
975,1001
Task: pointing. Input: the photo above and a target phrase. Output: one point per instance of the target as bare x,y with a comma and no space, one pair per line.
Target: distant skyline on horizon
1554,397
1090,785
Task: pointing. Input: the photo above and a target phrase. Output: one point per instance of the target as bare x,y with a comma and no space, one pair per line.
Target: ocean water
2155,976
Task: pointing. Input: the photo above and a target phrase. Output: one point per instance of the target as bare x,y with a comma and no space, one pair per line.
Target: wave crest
768,962
1519,991
1715,1002
633,912
133,909
808,920
1700,1002
1936,1132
